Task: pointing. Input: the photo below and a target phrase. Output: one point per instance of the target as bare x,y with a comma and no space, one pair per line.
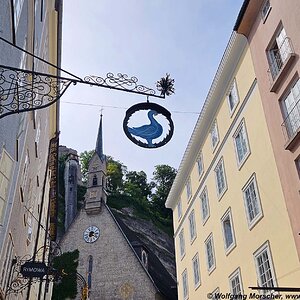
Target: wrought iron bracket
18,282
24,90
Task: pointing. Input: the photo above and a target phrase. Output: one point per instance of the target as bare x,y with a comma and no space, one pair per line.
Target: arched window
145,258
90,270
95,180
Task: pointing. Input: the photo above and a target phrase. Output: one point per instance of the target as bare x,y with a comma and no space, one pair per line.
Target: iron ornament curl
152,107
22,90
120,82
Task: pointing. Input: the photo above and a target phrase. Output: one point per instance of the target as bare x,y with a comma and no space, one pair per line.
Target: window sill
230,248
282,73
293,141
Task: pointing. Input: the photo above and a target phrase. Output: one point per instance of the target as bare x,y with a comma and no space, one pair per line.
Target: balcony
280,60
291,127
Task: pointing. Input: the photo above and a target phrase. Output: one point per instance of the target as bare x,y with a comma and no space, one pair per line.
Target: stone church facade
107,259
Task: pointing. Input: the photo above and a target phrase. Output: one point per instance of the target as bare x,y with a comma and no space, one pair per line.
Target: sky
145,39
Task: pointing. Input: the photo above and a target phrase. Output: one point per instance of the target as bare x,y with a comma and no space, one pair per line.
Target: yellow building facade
231,226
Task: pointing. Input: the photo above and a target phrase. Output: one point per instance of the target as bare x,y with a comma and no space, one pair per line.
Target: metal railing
291,124
279,58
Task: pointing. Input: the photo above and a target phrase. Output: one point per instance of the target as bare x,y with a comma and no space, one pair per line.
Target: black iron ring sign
148,132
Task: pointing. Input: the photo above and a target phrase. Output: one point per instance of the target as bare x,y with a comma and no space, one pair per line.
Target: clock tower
111,266
96,193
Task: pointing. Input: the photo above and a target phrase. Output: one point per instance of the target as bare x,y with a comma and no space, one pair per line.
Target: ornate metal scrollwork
22,90
120,82
19,282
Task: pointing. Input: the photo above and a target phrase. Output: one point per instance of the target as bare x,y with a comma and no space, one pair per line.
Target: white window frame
192,225
220,164
188,187
179,209
215,294
185,285
18,5
181,243
196,270
254,205
6,170
214,134
228,217
204,198
262,252
200,165
232,282
278,52
233,94
211,255
265,10
241,144
290,105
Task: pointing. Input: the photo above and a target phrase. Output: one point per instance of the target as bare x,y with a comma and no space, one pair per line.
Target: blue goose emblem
151,131
148,132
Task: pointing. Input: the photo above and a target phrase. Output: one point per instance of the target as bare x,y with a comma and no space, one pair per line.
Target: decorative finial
166,85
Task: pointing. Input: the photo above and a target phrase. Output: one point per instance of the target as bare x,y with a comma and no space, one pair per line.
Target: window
188,187
278,52
241,143
214,134
192,225
6,166
179,209
216,294
220,178
90,270
210,256
204,205
196,270
252,202
7,260
17,10
227,229
95,180
235,283
233,97
291,110
145,258
185,284
264,267
181,243
297,162
200,164
265,10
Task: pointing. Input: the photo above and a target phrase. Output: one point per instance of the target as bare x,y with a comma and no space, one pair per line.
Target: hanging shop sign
34,269
153,135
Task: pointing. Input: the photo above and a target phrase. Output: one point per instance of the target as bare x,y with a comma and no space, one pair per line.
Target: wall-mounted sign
34,269
156,133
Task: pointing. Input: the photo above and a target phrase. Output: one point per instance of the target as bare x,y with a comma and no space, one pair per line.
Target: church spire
99,143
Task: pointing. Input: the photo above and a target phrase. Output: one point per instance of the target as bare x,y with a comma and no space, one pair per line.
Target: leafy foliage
85,157
164,176
66,267
115,173
132,189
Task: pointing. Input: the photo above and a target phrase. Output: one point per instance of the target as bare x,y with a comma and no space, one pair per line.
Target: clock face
91,234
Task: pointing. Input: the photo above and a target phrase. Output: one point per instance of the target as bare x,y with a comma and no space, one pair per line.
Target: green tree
115,174
163,178
85,158
136,185
66,267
